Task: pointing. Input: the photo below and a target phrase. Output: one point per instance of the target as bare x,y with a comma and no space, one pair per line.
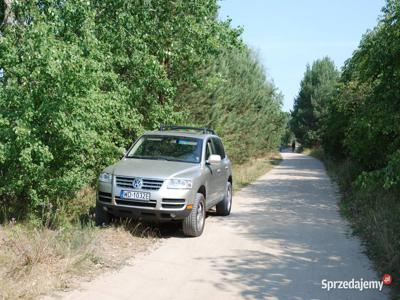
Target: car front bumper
145,214
164,205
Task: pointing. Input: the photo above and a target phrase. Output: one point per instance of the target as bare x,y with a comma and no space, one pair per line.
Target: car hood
147,168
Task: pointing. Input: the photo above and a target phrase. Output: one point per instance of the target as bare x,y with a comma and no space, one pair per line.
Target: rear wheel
193,224
224,207
102,217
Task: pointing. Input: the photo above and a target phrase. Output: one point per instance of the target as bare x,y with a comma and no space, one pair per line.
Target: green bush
63,114
364,119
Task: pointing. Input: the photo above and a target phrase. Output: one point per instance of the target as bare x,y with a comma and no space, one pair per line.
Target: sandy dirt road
284,236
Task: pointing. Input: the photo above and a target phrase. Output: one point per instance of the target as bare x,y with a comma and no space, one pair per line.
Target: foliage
156,46
368,131
288,135
81,79
54,132
310,108
239,102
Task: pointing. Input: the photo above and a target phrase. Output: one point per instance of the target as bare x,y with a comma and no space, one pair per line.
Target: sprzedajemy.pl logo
354,284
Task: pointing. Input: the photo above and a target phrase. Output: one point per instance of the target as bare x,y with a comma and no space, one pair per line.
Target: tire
193,224
224,207
102,217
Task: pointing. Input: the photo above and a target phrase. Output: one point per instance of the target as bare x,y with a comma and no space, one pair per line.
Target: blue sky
288,34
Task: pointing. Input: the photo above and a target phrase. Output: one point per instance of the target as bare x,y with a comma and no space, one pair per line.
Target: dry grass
37,261
249,171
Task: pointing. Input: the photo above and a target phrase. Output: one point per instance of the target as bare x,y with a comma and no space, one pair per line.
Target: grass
251,170
63,246
37,260
373,212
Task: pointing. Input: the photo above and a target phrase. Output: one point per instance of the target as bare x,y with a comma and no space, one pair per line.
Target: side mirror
214,159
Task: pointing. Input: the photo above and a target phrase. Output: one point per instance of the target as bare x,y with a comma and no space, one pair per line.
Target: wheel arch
202,190
230,179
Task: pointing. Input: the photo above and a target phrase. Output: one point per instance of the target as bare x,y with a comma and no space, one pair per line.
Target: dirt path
283,238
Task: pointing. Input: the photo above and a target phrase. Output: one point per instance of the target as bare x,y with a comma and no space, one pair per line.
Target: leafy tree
369,103
156,46
239,102
81,79
62,112
288,135
310,107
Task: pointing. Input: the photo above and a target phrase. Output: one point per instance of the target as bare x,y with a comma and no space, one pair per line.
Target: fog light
173,215
105,208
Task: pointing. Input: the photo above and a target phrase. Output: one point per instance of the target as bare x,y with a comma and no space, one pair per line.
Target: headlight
105,177
179,184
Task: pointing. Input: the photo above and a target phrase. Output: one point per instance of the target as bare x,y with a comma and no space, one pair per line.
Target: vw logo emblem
137,183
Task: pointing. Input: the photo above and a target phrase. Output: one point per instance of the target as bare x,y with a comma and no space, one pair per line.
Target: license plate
132,195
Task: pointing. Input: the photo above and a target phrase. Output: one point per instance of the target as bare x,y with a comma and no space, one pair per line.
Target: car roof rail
176,127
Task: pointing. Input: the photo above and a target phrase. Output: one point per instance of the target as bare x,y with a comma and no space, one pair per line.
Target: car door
212,176
222,170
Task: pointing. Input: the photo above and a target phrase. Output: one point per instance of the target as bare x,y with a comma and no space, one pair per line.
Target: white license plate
132,195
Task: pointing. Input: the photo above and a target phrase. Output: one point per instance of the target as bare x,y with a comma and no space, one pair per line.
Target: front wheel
193,224
224,207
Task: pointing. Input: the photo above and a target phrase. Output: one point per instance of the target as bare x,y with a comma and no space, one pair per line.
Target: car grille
148,184
172,203
105,197
151,203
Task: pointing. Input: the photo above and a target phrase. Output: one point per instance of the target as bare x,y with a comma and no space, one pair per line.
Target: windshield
167,148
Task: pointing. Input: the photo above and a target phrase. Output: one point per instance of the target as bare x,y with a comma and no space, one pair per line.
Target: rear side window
210,149
219,148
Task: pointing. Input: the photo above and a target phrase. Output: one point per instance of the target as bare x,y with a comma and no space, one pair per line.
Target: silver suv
176,173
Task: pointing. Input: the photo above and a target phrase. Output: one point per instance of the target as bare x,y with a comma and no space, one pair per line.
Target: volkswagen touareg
175,173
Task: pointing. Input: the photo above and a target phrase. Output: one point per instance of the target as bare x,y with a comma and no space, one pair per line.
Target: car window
209,149
167,148
219,148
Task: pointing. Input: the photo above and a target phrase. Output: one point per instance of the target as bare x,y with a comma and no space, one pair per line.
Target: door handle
226,168
218,170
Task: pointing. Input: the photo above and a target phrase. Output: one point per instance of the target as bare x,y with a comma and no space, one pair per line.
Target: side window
219,148
209,149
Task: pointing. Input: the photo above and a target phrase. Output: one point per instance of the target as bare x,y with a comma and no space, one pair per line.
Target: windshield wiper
135,156
147,157
164,158
178,160
158,158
